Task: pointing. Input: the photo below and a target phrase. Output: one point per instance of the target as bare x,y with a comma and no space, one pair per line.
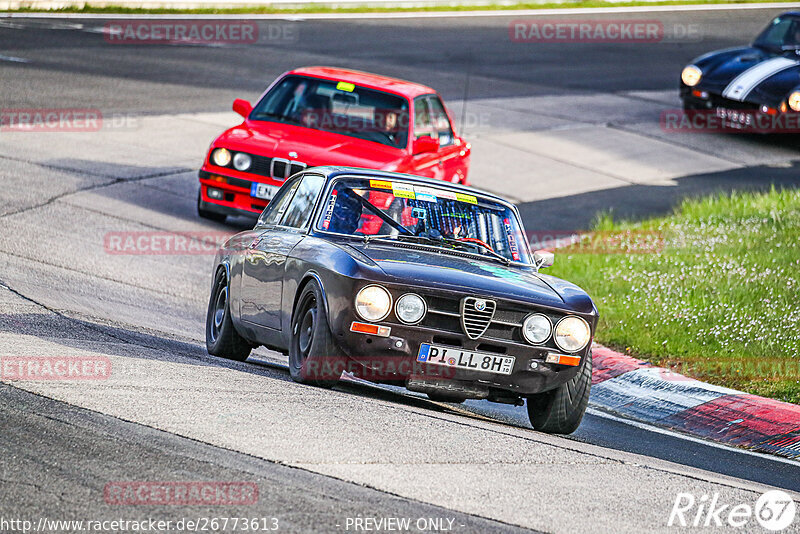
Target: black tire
206,214
222,339
444,397
314,358
561,410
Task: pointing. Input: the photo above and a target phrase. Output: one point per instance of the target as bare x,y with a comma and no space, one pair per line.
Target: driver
347,211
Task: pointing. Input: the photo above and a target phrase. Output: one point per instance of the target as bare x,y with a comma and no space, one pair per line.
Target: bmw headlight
410,308
221,157
537,328
373,303
794,101
242,161
572,333
691,75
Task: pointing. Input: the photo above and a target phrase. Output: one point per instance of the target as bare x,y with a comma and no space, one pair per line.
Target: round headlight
794,101
373,303
572,333
221,157
691,75
410,308
242,161
536,328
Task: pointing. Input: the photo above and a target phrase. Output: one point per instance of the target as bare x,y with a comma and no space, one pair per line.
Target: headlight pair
223,158
373,303
571,333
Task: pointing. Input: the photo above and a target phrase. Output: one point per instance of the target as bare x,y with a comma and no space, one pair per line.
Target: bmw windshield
395,210
339,107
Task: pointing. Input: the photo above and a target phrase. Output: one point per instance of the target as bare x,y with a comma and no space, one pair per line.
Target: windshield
441,217
339,107
782,33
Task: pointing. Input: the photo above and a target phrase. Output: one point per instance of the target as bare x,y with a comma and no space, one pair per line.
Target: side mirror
425,144
242,107
543,258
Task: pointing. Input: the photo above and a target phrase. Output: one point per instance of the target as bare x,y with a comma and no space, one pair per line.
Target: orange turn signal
563,359
375,330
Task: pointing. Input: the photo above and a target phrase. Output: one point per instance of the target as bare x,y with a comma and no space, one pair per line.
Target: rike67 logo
775,510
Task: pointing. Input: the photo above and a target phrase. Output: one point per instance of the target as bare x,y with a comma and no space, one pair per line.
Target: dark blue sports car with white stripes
740,84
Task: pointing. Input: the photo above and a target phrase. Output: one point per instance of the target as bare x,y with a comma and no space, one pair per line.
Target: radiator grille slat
476,315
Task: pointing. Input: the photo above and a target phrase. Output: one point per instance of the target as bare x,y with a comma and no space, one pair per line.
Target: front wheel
222,339
313,356
561,410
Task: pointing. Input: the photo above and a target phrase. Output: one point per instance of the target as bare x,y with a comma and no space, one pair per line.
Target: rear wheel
206,214
313,356
561,410
222,339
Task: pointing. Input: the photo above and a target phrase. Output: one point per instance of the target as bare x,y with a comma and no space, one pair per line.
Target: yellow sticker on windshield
403,190
466,198
380,184
345,86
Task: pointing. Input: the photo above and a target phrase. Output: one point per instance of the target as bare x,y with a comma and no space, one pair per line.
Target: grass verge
269,10
719,302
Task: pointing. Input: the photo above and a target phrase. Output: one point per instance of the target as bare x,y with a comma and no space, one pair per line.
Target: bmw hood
313,147
432,270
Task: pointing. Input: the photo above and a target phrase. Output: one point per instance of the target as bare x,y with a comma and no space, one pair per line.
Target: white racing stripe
741,86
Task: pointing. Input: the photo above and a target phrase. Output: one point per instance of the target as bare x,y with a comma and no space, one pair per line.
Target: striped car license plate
465,359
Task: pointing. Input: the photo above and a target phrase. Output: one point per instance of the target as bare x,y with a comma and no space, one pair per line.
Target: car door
428,164
265,263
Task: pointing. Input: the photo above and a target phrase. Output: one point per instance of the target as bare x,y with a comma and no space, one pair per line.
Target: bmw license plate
263,191
464,359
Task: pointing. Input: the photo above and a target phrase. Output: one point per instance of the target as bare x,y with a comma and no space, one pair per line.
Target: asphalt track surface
170,412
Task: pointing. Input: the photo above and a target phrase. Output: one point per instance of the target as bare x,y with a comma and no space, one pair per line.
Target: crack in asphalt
112,180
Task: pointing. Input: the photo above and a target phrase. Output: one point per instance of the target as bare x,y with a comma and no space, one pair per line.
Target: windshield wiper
277,116
436,241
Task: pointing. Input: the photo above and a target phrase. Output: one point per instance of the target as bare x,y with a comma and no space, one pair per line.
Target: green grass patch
259,9
720,301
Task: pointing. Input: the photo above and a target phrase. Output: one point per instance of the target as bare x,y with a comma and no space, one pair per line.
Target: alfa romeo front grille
476,315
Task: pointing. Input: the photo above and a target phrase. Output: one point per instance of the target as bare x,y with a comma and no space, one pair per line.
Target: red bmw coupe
327,116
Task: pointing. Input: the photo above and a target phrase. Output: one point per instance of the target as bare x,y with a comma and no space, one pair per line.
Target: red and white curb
640,391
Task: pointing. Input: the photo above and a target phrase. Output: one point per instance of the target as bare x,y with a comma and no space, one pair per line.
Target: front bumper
236,198
394,358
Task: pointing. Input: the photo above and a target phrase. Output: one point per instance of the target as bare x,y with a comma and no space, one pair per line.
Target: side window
302,205
422,118
440,121
278,205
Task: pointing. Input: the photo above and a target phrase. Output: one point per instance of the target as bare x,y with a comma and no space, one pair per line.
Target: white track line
673,434
419,14
14,59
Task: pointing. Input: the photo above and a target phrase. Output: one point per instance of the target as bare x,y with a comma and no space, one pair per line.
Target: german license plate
464,359
263,191
735,118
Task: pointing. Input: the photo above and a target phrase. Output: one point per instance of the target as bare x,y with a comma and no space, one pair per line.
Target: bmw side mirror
543,258
425,144
242,107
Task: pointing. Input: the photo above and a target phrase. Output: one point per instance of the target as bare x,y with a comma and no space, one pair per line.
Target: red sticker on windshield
329,210
512,242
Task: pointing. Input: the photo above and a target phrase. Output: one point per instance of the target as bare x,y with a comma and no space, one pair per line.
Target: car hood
772,76
313,147
421,268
